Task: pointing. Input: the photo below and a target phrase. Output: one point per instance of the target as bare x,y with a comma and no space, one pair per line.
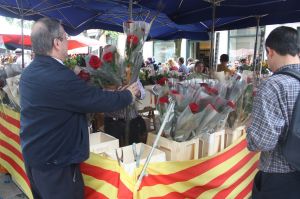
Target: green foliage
146,79
112,34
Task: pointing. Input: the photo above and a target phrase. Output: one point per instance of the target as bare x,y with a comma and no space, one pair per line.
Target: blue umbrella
191,11
77,16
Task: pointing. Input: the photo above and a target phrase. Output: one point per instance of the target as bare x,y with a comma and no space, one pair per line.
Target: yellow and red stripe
228,174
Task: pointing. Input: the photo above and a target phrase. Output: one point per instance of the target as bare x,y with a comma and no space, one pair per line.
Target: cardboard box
176,151
231,135
100,142
210,144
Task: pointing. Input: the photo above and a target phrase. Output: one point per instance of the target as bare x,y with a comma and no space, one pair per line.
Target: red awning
17,40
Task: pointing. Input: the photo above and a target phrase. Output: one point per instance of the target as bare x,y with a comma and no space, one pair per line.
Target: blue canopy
191,11
250,21
78,15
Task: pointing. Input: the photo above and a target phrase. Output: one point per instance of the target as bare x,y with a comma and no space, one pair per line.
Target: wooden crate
129,163
232,135
176,151
210,144
100,142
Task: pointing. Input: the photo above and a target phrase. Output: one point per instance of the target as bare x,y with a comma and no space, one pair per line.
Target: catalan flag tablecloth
228,174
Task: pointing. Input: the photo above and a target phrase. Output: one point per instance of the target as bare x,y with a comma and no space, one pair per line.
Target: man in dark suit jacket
54,103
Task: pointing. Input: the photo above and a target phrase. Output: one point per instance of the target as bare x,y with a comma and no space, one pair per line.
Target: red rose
84,75
174,92
231,104
132,39
163,100
204,84
162,81
95,62
194,107
210,90
249,80
108,57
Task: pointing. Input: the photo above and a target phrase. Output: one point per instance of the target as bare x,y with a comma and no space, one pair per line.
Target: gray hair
43,33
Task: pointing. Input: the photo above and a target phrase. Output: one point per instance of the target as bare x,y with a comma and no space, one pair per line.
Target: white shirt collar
58,60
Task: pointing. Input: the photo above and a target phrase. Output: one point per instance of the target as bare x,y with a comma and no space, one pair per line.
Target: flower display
201,107
10,77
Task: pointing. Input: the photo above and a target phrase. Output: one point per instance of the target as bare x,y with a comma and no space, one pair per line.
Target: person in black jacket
54,103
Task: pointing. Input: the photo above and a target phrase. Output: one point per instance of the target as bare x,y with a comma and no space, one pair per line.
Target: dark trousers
276,185
56,183
117,128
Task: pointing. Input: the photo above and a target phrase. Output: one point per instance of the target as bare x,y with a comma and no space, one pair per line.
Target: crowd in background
194,67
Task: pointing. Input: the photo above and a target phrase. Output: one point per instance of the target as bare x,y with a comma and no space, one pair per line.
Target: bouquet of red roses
102,72
136,34
198,109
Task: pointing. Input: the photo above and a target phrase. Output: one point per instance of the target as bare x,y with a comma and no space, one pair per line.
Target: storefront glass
163,50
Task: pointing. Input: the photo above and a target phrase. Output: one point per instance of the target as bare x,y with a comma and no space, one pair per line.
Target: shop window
163,50
241,43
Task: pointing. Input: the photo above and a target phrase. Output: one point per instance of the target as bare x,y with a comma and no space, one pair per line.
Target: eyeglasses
61,38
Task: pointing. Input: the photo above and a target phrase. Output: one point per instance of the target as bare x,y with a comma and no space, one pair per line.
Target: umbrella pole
130,9
212,39
22,32
154,145
255,50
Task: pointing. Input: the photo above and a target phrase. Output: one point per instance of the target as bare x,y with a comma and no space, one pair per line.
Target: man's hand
134,89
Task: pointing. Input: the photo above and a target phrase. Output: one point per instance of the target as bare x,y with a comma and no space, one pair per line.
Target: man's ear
270,51
56,43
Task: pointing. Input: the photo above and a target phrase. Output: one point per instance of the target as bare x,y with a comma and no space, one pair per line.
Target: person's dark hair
224,58
44,31
181,60
284,40
199,62
243,60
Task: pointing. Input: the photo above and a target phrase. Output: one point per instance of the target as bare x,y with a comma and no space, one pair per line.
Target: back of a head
190,59
224,58
284,40
43,33
243,61
181,60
